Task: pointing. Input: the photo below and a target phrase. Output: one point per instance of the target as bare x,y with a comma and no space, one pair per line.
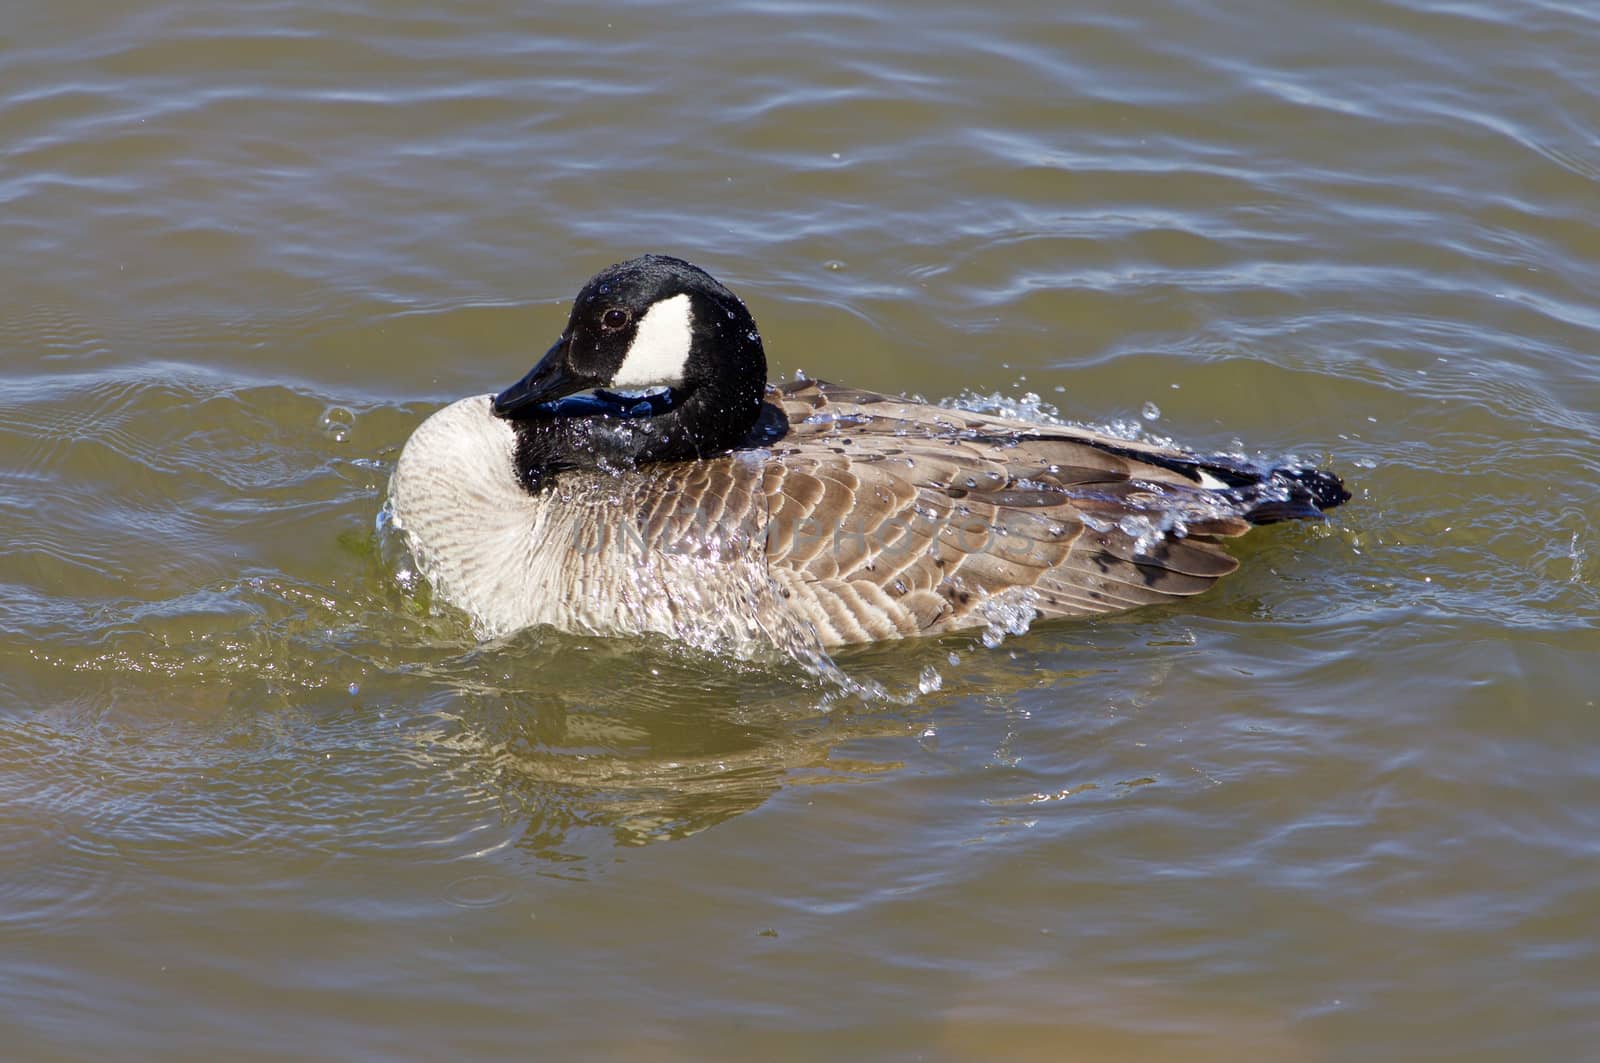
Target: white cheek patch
660,347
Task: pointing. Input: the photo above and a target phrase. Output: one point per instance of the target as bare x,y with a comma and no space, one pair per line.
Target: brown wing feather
901,514
880,517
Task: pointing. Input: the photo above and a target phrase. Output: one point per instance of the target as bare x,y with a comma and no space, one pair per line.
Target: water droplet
930,680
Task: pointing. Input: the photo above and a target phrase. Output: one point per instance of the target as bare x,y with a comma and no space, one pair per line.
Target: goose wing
886,517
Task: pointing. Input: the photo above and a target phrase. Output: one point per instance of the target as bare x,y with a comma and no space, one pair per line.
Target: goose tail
1292,492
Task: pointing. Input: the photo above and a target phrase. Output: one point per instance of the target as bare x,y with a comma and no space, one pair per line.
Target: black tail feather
1293,493
1289,492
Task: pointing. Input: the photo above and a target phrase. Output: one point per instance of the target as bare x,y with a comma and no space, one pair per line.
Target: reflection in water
643,741
600,741
638,742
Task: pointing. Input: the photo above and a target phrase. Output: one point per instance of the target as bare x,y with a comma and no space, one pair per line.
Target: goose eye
614,318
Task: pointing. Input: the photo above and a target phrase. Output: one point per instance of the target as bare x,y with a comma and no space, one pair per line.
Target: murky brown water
257,801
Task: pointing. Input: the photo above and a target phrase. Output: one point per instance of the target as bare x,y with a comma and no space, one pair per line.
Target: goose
644,477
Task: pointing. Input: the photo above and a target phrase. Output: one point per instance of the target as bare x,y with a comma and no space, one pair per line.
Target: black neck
612,432
713,411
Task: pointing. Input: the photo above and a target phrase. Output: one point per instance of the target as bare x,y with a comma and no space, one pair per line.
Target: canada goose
643,477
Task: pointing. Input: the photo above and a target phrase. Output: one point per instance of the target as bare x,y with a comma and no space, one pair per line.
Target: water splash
1027,407
394,551
1010,612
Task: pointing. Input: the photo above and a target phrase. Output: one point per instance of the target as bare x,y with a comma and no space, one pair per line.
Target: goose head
658,362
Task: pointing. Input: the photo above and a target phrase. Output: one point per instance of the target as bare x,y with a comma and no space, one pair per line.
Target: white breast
570,556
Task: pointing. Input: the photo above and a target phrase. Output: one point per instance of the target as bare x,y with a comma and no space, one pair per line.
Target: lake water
258,799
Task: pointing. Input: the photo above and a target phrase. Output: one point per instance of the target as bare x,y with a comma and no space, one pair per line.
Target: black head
649,323
663,330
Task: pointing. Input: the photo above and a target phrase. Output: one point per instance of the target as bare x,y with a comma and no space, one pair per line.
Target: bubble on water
338,423
930,680
1150,411
480,891
355,688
